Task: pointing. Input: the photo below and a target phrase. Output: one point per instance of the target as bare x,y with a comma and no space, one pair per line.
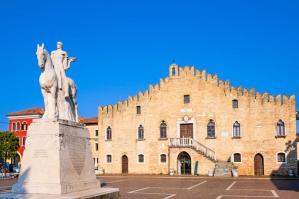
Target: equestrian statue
58,90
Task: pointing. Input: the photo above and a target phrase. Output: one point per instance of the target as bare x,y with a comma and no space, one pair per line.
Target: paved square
164,187
152,187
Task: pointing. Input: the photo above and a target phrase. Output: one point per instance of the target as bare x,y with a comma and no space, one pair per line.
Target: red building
18,124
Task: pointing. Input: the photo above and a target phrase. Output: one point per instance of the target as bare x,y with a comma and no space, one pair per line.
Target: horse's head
41,56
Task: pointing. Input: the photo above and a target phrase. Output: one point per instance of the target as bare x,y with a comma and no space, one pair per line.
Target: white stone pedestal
57,161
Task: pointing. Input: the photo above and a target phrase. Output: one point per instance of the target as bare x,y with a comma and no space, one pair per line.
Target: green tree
9,145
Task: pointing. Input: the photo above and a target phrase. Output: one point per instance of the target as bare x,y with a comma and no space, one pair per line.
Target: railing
194,144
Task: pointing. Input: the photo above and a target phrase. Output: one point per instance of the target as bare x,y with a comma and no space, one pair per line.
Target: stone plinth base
57,163
101,193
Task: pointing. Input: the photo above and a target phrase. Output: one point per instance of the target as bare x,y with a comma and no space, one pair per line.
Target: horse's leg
73,94
45,95
53,102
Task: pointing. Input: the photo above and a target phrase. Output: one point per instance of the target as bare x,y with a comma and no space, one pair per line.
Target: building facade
192,120
18,124
92,126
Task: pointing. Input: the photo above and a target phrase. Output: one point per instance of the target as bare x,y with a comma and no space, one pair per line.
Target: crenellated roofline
177,72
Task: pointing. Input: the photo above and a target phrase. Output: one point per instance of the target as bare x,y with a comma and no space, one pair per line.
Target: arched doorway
124,164
258,165
184,163
16,160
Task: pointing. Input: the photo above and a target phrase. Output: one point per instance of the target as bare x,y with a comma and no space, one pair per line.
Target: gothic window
163,129
211,129
138,110
14,126
281,157
235,103
280,128
163,158
173,71
109,133
186,99
236,129
18,126
140,158
97,146
96,133
24,126
237,157
140,132
108,158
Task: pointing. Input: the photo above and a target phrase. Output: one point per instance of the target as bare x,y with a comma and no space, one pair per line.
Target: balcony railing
194,144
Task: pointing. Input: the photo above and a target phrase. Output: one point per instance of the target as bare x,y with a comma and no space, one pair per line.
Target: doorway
258,165
184,163
124,164
186,130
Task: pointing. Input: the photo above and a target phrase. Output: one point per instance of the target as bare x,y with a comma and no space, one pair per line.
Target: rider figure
61,63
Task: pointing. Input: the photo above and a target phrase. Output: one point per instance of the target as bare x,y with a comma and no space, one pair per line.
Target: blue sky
123,46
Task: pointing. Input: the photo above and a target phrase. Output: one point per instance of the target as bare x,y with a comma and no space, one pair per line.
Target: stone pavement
164,187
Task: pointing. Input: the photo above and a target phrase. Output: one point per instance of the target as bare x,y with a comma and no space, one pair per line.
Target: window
140,132
97,146
173,71
24,141
109,133
96,133
18,126
186,99
163,129
24,126
236,129
163,158
108,158
235,103
138,110
140,158
280,128
14,126
237,157
281,157
211,129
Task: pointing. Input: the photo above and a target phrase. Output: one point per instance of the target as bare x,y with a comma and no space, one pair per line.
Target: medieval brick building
192,121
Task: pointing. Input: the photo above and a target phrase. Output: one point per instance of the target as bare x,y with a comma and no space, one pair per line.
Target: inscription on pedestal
77,152
41,153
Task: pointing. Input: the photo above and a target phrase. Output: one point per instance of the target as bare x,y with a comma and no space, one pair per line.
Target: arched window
237,157
281,157
109,133
211,129
140,158
14,126
173,71
163,129
24,126
140,132
280,128
236,129
163,158
18,126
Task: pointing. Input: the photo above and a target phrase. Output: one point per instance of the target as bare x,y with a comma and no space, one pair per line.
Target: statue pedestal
58,163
